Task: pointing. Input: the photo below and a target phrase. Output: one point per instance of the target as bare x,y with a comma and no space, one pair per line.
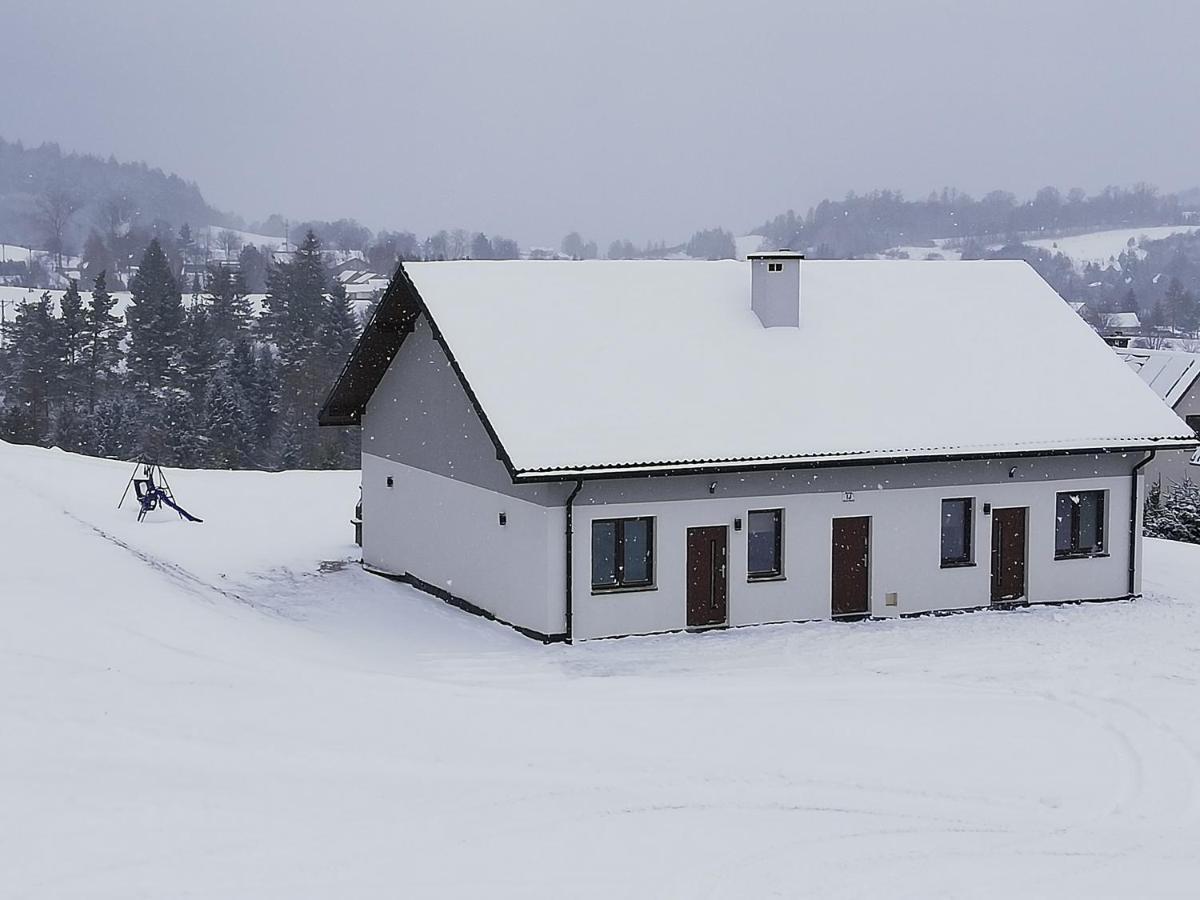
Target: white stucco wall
905,554
439,522
447,532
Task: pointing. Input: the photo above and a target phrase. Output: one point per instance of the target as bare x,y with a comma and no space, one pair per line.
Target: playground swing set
152,491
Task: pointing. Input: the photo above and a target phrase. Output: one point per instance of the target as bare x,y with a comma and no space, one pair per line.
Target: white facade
905,547
507,407
438,523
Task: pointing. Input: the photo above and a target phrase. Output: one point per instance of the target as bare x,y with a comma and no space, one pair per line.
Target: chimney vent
775,287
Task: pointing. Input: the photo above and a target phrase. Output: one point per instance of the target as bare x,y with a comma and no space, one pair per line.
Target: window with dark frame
774,267
764,543
958,517
1193,422
622,553
1079,524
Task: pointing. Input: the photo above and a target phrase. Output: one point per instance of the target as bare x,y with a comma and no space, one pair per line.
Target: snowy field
1101,246
234,710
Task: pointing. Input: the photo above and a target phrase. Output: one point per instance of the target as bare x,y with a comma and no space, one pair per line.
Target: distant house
1119,329
361,284
1175,377
595,449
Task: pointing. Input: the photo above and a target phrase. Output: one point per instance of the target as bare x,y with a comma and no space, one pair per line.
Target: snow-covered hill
1101,246
233,709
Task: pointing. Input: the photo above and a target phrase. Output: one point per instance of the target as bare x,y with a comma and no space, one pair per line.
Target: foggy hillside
48,196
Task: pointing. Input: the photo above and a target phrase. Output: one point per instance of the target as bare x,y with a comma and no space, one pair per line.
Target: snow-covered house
1119,329
1175,377
362,284
592,449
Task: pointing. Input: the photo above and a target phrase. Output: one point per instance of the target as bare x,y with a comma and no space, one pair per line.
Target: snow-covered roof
1122,320
1169,373
604,364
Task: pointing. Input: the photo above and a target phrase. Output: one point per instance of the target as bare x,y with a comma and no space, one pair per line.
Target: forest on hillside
51,199
871,223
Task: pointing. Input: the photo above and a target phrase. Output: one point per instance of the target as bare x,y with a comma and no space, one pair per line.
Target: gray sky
640,119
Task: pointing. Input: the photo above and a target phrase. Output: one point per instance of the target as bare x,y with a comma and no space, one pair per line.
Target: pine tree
103,331
228,304
296,317
223,425
1174,512
263,401
198,358
481,247
337,334
155,321
35,380
72,337
97,257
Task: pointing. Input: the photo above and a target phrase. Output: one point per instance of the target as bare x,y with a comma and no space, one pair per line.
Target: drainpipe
570,604
1133,532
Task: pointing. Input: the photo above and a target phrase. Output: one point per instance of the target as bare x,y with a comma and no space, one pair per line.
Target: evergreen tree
223,425
97,257
71,330
198,358
337,334
296,320
228,304
35,382
481,247
1173,512
155,321
263,400
252,267
114,428
103,331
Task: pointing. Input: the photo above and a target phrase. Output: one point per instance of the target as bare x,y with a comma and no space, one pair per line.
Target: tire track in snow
174,572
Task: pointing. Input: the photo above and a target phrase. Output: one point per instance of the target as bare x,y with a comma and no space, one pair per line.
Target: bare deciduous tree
230,242
55,207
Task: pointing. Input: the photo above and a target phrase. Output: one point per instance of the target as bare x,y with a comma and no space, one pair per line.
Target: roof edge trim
529,476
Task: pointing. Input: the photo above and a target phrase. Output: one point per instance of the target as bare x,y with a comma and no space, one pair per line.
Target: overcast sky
644,119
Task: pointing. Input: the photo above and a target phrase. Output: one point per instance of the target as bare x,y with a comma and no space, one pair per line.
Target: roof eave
531,476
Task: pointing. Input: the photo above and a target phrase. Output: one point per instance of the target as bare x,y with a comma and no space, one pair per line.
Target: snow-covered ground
234,710
1101,246
271,242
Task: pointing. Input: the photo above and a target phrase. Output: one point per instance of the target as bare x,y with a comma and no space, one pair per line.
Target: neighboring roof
1169,373
1122,320
598,365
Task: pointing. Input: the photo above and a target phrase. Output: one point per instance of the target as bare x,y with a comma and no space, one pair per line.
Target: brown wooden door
851,566
707,580
1008,554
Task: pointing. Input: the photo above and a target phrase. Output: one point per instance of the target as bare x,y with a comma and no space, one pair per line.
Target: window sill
1060,556
757,579
623,589
959,565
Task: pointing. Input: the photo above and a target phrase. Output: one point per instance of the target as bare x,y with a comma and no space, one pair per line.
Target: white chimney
775,287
